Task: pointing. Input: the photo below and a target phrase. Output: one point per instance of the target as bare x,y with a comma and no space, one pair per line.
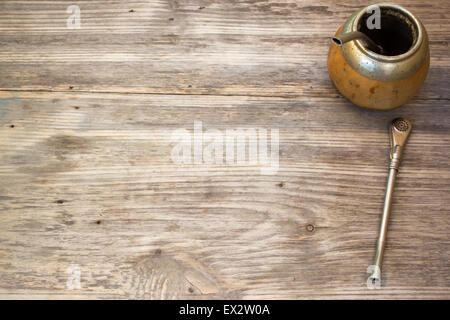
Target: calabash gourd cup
379,68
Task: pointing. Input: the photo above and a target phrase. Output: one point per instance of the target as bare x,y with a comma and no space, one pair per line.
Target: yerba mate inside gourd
397,35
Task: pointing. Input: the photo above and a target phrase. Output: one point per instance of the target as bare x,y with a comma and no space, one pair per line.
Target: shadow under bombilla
400,129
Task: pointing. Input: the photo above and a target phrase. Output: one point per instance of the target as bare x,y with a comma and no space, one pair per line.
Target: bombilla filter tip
400,129
401,124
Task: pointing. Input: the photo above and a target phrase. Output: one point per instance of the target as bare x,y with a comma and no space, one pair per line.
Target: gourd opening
397,32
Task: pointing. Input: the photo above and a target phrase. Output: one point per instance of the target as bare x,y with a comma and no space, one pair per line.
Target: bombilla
399,129
357,35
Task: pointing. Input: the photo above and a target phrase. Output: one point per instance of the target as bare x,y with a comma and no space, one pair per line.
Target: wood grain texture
269,48
87,180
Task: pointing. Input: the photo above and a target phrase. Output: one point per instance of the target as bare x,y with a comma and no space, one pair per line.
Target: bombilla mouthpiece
357,35
400,130
375,277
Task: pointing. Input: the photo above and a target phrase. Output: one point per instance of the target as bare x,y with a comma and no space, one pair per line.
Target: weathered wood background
87,182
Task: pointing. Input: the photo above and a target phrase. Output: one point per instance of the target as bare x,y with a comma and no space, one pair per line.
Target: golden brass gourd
379,68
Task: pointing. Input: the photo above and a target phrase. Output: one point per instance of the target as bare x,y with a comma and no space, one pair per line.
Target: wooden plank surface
88,183
269,48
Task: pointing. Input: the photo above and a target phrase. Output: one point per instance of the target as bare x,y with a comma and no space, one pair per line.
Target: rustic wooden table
95,205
